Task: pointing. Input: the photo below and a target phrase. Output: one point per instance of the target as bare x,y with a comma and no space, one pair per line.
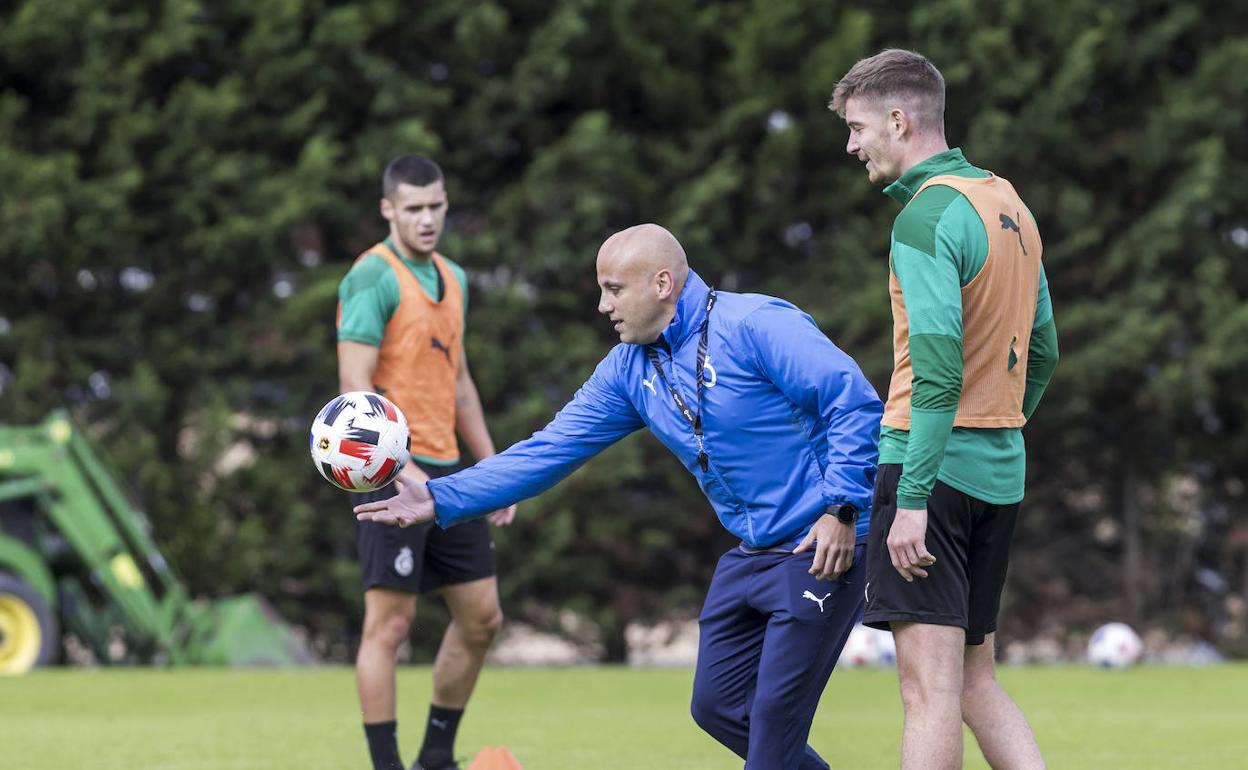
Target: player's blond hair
895,77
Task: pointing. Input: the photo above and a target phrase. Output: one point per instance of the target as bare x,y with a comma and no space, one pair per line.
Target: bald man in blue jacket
780,429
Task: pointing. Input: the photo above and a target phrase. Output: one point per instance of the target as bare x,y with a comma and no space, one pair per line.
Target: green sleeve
1041,350
937,364
369,295
1044,305
1041,363
939,246
462,277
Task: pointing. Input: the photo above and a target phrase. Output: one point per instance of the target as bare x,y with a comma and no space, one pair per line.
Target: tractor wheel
29,635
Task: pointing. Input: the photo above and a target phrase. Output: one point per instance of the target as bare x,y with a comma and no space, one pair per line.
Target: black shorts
424,557
971,542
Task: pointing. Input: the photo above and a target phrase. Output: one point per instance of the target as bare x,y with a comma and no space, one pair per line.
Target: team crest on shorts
404,562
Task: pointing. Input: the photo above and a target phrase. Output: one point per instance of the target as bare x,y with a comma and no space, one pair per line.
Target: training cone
495,758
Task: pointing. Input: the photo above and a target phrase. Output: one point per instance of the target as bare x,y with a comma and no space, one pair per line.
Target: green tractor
75,556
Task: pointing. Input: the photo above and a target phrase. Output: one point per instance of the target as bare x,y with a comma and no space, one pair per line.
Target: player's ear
898,122
387,209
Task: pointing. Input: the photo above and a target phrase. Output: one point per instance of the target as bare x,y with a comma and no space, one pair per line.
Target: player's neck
422,258
922,151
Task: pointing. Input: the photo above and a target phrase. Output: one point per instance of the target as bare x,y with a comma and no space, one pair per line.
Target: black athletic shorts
971,542
423,557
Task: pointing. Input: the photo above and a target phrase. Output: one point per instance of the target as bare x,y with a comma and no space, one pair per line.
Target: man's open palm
412,505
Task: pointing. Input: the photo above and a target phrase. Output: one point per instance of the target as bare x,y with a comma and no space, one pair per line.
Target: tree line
186,182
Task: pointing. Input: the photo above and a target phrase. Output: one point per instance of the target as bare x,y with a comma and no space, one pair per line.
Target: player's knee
978,685
911,693
389,629
918,692
482,629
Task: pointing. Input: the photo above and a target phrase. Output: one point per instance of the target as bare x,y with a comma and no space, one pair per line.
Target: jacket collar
690,310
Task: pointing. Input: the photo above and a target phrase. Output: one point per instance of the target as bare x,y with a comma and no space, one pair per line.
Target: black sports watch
844,513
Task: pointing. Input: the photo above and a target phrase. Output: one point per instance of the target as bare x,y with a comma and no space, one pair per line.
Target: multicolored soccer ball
360,441
1114,645
868,646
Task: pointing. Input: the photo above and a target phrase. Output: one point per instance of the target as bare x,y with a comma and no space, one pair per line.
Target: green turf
600,718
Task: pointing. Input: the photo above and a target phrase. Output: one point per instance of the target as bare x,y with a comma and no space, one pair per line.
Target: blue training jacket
790,424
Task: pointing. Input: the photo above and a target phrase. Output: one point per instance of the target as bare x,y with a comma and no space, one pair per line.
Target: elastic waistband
750,550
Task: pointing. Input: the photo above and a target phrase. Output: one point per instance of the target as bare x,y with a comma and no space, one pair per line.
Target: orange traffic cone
495,758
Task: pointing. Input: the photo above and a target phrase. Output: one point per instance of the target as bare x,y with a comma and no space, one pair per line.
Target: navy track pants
770,635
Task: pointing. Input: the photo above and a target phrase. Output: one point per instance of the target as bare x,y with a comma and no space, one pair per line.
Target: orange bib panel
419,357
998,310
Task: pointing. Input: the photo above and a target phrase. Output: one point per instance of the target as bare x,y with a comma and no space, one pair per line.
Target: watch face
847,514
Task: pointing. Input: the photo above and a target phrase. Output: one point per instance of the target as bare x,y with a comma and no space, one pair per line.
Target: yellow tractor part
20,635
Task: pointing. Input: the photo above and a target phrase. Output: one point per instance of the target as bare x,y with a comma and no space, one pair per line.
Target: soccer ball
360,441
868,646
1114,645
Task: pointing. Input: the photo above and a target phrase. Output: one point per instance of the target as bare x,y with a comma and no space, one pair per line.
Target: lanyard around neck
693,418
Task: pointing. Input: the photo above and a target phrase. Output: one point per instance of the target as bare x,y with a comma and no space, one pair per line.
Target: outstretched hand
412,505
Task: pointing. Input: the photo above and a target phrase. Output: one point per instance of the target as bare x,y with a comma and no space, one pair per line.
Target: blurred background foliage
184,184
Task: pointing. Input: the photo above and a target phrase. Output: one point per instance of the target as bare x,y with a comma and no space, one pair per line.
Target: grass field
581,718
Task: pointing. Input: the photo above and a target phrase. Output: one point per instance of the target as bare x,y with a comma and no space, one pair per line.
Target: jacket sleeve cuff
443,515
833,501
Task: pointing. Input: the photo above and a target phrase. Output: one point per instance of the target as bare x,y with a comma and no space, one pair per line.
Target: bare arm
469,416
356,364
470,423
599,415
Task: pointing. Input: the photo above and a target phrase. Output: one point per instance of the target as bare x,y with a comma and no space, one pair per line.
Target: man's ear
664,283
387,210
898,122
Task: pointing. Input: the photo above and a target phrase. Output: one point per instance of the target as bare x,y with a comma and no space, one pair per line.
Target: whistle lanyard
693,418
